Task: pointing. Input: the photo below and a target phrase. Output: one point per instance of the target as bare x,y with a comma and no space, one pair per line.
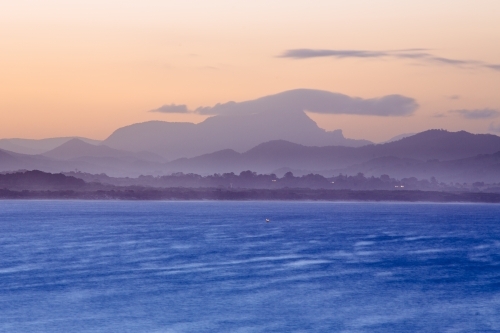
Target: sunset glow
88,67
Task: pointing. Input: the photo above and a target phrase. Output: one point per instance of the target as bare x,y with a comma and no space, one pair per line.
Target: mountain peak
237,126
76,148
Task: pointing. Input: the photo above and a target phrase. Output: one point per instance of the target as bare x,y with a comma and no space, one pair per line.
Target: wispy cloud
439,115
477,114
172,108
454,97
422,55
310,53
494,67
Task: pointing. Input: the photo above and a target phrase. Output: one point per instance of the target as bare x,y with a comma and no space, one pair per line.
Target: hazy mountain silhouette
484,167
120,164
448,156
411,156
437,144
399,137
8,160
269,156
78,149
34,147
240,127
11,161
8,145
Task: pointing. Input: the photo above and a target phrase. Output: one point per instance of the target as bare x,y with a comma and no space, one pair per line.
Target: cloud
317,101
416,54
495,67
309,53
172,108
210,68
477,114
454,97
439,115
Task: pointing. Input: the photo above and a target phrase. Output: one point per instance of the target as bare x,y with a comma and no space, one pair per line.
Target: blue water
80,266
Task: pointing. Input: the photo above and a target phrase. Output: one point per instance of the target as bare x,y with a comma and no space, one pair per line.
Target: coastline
286,194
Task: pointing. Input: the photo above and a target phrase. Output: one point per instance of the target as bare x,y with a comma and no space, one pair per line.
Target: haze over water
83,266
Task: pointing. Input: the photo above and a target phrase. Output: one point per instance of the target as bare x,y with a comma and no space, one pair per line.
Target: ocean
151,266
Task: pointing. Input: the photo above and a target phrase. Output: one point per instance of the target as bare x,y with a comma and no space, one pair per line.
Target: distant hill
177,140
112,165
437,144
78,149
7,160
399,137
11,161
484,167
34,147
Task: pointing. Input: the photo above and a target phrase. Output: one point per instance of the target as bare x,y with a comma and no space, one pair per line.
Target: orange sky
88,67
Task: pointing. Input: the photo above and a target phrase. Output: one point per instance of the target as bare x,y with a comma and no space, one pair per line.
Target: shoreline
213,194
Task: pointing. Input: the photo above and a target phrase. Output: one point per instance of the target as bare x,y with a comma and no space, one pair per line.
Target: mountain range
76,148
448,156
272,134
237,126
172,140
35,147
239,133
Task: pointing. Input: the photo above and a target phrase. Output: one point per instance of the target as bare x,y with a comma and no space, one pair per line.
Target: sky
86,68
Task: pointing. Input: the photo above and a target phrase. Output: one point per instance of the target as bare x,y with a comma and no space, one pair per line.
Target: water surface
83,266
